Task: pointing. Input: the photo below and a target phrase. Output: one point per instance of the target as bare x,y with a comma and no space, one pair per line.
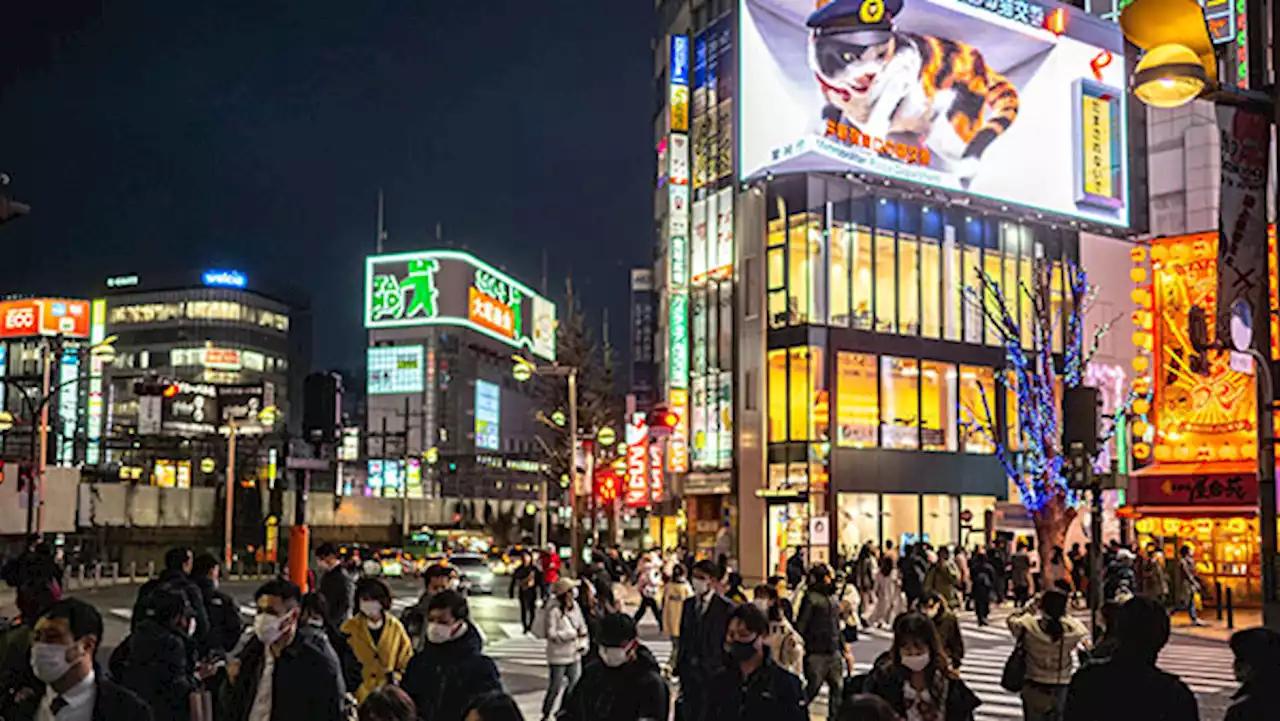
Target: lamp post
522,371
1179,65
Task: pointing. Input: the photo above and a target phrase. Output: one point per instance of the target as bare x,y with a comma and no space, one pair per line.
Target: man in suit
703,623
64,642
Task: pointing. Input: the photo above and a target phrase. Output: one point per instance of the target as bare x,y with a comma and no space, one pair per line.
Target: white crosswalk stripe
531,651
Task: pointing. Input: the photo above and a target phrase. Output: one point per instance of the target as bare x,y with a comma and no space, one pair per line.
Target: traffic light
162,388
322,407
664,417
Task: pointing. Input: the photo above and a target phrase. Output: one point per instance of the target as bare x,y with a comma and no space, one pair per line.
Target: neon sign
223,278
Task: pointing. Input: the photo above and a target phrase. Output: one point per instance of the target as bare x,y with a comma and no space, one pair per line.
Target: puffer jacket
566,633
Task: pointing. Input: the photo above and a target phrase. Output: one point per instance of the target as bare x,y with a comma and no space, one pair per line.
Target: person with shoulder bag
1048,637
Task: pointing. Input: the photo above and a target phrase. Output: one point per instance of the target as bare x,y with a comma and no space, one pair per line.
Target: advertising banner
964,95
678,444
1242,216
657,482
635,492
698,244
44,316
678,346
643,329
488,412
449,287
396,369
193,411
724,398
722,265
698,422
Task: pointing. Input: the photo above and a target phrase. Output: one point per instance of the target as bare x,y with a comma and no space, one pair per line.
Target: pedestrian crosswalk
528,650
397,605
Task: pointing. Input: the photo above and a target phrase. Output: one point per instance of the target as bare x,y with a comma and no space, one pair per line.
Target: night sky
254,134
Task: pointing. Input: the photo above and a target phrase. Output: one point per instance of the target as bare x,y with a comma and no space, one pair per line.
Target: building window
952,285
937,520
886,269
862,279
901,517
992,266
806,365
778,395
900,403
1013,437
859,521
930,280
857,400
972,294
937,406
841,236
777,274
800,266
977,407
1057,302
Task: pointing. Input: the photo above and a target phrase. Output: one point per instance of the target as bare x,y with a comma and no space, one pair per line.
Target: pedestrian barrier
1231,611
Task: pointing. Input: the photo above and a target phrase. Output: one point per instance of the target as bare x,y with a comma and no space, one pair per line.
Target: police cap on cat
870,22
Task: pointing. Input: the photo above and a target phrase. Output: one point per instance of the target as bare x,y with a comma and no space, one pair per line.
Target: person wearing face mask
19,688
1257,668
626,685
785,644
826,652
225,623
159,664
288,670
703,622
944,619
64,642
917,678
752,686
451,672
674,593
565,630
377,637
315,614
434,580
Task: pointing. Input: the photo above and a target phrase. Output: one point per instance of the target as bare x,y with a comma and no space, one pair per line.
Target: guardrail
103,575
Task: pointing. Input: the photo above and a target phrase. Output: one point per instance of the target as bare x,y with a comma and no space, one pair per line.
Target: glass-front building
882,373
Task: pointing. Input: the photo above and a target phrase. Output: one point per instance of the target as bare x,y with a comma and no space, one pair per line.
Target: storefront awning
1195,489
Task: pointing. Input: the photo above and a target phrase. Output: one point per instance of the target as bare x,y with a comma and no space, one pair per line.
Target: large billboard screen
488,416
449,287
1020,102
396,369
44,316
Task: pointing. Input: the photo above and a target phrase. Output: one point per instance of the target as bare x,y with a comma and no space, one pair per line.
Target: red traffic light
664,417
170,390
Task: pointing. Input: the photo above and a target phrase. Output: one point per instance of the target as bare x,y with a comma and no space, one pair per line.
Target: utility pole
575,533
231,495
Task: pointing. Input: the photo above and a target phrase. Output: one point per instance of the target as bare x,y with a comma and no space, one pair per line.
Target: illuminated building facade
1194,422
813,277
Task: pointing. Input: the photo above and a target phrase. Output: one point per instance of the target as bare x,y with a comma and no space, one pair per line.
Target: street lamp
1179,66
523,370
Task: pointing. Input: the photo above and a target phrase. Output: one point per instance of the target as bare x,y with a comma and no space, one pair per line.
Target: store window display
1226,551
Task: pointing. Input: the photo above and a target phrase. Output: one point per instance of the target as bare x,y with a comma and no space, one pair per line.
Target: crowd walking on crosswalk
783,649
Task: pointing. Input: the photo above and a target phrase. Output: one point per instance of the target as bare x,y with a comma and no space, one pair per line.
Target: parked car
474,573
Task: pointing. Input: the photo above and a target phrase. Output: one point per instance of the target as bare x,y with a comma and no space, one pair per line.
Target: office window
777,395
937,522
799,267
900,517
838,283
991,264
952,285
1027,313
972,295
937,406
931,288
900,403
908,284
857,400
862,281
885,283
805,376
977,406
776,277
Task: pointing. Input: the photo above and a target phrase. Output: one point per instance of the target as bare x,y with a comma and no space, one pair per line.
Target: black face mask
742,651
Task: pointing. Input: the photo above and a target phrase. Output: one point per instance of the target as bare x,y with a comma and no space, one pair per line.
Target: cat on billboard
964,95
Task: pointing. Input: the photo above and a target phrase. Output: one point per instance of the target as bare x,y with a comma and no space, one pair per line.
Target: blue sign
224,278
679,59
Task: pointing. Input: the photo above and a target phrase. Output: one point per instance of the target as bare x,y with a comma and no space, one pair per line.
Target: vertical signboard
643,378
1242,199
68,403
678,454
636,486
657,483
488,412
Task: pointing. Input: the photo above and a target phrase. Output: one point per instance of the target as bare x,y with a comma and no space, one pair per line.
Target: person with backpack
943,578
561,623
982,574
1049,637
524,584
935,607
176,577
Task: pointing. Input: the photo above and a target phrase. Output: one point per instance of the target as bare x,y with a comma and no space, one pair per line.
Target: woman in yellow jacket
377,638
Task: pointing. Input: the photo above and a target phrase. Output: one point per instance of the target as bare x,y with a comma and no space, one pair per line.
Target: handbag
1015,668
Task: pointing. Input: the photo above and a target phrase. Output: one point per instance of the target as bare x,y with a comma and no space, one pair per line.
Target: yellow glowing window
937,406
857,400
777,396
977,406
900,402
862,285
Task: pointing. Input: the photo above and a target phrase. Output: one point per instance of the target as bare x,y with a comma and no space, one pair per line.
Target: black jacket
633,691
337,588
524,580
158,668
174,580
772,693
912,570
1124,688
887,680
113,703
225,623
352,672
1255,701
306,684
444,678
819,623
701,650
949,631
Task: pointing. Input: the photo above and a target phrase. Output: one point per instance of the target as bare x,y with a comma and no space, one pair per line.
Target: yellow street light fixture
1178,64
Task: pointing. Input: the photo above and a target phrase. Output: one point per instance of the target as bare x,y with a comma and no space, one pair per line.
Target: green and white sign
450,287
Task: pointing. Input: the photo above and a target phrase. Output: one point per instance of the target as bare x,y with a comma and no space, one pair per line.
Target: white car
474,573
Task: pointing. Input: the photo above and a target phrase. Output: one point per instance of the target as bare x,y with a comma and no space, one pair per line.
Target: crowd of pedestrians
341,653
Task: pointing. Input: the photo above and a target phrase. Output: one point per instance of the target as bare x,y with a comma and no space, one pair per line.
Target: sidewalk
1215,630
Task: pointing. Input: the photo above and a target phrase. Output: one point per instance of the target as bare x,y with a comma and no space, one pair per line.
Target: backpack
540,622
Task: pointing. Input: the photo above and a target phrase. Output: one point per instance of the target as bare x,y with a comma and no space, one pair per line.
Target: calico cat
940,90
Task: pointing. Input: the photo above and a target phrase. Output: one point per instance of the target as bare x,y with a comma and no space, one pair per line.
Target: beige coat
786,646
673,598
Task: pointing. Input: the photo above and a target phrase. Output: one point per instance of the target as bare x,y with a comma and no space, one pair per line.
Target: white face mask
444,632
191,627
762,604
613,656
701,586
266,627
49,661
371,609
454,583
916,662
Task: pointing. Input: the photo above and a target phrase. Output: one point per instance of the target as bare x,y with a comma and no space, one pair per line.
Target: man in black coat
306,681
626,684
753,686
703,623
1128,685
64,643
225,624
335,584
450,672
1257,667
911,568
175,577
158,664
